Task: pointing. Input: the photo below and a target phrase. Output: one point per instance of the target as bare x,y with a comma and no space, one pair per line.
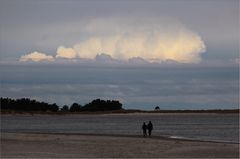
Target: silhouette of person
144,128
150,128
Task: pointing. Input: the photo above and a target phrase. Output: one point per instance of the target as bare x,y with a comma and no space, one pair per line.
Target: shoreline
171,138
98,145
114,114
126,111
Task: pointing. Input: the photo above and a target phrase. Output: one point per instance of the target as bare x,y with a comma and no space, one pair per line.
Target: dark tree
54,107
157,108
65,108
75,107
102,105
26,104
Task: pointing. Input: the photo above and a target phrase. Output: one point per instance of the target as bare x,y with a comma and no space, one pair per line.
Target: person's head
150,122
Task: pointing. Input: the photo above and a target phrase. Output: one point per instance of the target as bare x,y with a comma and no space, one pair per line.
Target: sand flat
95,146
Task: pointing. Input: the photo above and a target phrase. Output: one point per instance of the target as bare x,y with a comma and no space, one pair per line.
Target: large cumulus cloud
154,40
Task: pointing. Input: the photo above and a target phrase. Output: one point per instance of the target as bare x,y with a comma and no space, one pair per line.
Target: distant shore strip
173,138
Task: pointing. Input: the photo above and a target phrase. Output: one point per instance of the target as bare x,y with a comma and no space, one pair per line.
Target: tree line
26,104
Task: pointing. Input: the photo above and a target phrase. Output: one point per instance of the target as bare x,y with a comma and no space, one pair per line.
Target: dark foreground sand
65,146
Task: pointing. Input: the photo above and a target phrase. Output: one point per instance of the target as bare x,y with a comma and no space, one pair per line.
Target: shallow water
210,127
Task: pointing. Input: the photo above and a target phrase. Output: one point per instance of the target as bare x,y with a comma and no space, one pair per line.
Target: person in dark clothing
150,128
144,128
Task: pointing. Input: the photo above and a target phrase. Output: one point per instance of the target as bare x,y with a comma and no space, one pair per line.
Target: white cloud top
36,56
64,52
184,47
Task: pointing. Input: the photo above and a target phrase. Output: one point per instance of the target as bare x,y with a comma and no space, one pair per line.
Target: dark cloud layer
137,87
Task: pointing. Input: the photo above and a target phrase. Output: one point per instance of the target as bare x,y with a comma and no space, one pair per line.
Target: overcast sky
176,54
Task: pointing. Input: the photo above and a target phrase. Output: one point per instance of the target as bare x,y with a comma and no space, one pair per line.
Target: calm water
213,127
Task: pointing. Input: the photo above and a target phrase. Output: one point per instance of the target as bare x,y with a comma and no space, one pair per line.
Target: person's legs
150,132
144,133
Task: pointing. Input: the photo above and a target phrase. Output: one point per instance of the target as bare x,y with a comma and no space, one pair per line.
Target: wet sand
29,145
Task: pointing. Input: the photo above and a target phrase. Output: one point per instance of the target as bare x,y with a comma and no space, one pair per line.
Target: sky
175,54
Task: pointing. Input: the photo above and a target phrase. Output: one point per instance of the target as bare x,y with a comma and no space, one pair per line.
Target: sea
206,127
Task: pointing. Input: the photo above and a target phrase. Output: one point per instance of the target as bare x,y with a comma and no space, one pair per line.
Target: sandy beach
29,145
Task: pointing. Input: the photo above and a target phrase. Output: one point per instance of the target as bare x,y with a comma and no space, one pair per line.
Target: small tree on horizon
75,107
65,108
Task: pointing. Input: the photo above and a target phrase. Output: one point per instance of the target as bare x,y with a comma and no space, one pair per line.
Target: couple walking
148,127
